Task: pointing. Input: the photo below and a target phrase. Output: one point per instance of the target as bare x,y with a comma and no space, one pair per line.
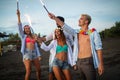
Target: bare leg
51,76
67,74
57,73
27,64
37,66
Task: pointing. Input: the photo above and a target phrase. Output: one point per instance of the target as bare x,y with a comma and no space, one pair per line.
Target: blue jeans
29,55
61,64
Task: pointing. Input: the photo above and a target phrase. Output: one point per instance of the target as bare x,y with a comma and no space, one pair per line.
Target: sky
104,14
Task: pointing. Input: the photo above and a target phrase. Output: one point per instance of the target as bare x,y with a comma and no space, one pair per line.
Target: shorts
61,64
29,54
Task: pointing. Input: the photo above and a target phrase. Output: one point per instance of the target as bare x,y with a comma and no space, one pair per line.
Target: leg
88,69
57,72
67,74
27,64
89,72
37,66
82,75
51,76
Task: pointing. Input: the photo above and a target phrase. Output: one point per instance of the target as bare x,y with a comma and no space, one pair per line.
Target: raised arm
62,24
18,15
58,21
21,33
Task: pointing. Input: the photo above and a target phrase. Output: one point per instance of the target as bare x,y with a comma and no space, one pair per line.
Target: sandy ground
12,68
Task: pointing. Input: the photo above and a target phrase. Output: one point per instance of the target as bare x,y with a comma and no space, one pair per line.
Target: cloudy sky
104,13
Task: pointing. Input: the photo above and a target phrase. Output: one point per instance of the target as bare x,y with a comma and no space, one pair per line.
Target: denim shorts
61,64
29,54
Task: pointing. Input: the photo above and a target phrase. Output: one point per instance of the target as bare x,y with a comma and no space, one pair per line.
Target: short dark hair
61,18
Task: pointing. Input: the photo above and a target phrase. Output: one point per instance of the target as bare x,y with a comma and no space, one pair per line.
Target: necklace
87,32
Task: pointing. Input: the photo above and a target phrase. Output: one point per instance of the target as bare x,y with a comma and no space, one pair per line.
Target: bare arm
21,33
62,24
58,21
101,65
18,15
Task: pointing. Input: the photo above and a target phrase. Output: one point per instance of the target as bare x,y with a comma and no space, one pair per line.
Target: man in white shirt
87,50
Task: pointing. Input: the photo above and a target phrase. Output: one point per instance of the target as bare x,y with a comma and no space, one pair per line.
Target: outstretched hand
39,40
52,16
35,37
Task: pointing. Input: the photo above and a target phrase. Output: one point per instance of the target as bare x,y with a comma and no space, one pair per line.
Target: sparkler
30,23
17,5
28,18
44,6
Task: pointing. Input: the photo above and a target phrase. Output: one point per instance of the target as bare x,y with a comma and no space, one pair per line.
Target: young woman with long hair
61,55
29,48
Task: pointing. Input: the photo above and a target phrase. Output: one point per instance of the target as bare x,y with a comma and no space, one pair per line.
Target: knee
28,72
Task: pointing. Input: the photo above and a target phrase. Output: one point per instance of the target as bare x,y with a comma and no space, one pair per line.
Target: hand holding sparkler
52,16
58,21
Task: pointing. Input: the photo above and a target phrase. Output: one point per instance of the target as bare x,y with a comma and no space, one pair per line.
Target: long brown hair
62,35
30,31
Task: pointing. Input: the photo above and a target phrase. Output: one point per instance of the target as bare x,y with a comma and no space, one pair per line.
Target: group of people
80,49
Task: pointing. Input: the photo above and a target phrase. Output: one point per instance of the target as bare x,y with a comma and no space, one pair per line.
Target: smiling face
57,33
27,30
